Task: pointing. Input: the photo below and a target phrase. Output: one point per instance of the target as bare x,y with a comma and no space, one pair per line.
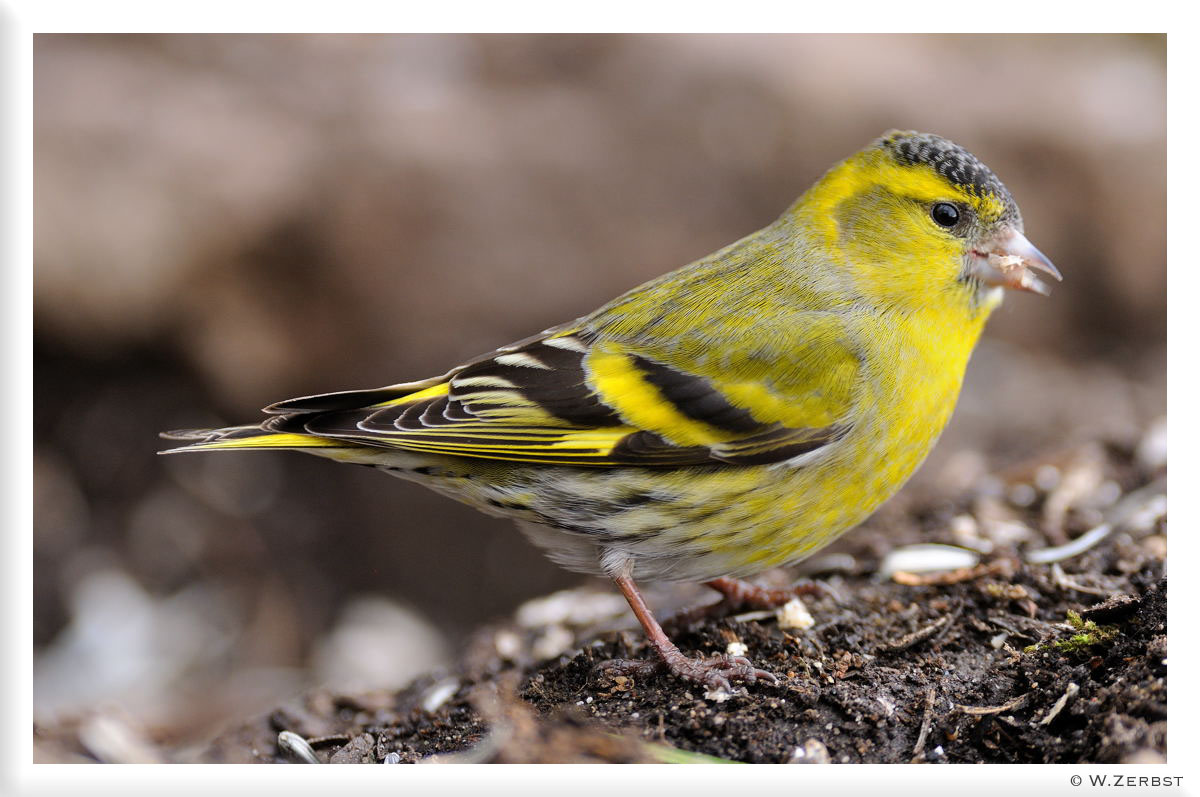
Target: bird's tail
235,438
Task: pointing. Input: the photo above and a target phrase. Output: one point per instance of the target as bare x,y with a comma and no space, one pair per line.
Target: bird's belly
695,523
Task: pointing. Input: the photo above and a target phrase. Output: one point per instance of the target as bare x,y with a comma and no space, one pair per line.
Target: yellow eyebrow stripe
856,176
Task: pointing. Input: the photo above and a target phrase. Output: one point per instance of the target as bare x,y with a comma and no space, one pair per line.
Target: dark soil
1005,662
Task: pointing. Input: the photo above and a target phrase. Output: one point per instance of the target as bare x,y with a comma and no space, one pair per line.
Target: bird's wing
571,397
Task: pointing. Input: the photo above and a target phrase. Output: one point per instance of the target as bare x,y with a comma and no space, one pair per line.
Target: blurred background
223,221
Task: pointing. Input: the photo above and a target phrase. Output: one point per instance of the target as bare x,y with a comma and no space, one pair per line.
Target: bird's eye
944,214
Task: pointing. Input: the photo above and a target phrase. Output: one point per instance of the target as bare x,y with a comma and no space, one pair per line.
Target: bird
731,416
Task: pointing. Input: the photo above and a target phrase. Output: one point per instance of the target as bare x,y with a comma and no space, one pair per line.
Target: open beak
1009,260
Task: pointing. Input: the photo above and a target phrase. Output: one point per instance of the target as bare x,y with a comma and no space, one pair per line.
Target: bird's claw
631,667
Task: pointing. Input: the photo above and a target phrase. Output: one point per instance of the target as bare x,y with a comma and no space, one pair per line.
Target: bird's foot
738,596
715,672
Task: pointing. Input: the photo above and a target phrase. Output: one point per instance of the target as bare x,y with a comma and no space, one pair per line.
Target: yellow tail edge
241,439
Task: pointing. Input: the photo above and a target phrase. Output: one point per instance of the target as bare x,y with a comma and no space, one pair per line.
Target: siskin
732,416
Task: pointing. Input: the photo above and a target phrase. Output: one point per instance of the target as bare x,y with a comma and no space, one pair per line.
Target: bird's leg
715,672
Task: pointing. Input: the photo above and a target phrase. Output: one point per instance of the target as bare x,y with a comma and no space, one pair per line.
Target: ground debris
1011,660
979,711
1104,701
920,635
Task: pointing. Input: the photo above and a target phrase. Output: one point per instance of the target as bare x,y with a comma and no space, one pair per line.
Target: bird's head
916,219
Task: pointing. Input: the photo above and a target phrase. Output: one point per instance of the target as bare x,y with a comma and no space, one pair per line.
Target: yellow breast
914,374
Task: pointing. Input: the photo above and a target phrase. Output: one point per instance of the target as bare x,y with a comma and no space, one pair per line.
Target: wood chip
1000,567
920,635
926,721
1072,690
979,711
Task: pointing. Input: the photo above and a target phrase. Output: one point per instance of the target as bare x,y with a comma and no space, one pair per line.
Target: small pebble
554,641
794,614
572,607
508,645
1106,494
1146,516
1145,757
1156,546
438,694
1022,495
965,530
1152,450
813,752
1047,477
1008,532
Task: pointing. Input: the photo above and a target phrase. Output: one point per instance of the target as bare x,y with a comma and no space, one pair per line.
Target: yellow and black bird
731,416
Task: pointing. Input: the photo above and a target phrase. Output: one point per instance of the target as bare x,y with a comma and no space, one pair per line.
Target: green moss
1088,635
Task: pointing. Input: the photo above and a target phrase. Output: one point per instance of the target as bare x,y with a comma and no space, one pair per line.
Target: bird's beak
1007,259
